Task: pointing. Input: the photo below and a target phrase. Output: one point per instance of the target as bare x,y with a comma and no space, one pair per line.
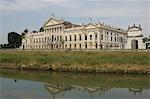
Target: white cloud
84,8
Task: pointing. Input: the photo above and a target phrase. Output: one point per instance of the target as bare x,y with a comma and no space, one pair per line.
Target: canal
63,85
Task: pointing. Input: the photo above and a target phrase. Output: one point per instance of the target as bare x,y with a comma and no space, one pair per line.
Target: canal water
53,85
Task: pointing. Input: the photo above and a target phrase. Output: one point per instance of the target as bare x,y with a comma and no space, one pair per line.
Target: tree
26,30
146,39
41,29
14,40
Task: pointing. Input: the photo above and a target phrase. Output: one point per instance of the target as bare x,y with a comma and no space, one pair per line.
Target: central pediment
90,26
52,21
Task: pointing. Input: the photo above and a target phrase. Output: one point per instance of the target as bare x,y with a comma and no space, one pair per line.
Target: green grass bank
130,62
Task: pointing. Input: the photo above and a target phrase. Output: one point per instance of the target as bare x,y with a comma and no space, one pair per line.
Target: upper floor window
80,37
75,38
60,37
70,38
101,37
95,36
115,39
45,39
90,37
65,38
57,38
85,37
111,38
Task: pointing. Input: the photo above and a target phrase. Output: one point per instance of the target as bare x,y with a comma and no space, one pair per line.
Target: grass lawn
84,61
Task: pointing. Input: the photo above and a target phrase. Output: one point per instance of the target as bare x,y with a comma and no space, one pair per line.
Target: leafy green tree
41,29
14,40
26,30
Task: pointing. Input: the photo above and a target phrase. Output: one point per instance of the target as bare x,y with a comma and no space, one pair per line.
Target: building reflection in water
55,89
135,90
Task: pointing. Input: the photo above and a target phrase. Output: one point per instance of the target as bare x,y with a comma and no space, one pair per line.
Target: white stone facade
60,35
135,38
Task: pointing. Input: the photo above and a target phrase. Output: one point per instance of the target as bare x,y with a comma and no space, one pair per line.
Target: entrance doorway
134,44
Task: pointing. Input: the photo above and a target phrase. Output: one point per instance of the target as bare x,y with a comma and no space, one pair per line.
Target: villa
58,34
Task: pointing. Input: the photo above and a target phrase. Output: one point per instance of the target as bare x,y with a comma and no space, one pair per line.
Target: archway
134,44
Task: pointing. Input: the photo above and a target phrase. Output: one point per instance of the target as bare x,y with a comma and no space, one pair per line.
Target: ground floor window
70,46
80,46
65,46
96,46
86,46
74,46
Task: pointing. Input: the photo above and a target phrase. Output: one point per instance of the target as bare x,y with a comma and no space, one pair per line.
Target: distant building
135,38
58,34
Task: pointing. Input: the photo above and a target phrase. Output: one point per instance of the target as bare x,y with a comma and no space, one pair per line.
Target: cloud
76,8
25,13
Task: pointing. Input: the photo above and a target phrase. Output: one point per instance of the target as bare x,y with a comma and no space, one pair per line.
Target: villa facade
59,34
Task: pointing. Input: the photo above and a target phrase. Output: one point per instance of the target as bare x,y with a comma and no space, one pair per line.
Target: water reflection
45,85
55,89
135,90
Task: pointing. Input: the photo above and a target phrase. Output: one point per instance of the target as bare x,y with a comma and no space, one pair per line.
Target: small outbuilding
135,38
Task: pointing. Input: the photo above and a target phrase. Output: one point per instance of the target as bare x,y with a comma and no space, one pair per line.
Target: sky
17,15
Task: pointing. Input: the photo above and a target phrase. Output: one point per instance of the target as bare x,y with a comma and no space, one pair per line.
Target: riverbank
115,62
81,79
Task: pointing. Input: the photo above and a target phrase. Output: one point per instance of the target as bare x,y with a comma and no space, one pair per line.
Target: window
80,37
57,38
75,38
65,46
115,39
95,36
34,41
45,39
74,46
70,37
52,38
101,37
65,38
80,46
86,46
70,46
111,38
90,37
60,37
85,37
96,45
42,39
